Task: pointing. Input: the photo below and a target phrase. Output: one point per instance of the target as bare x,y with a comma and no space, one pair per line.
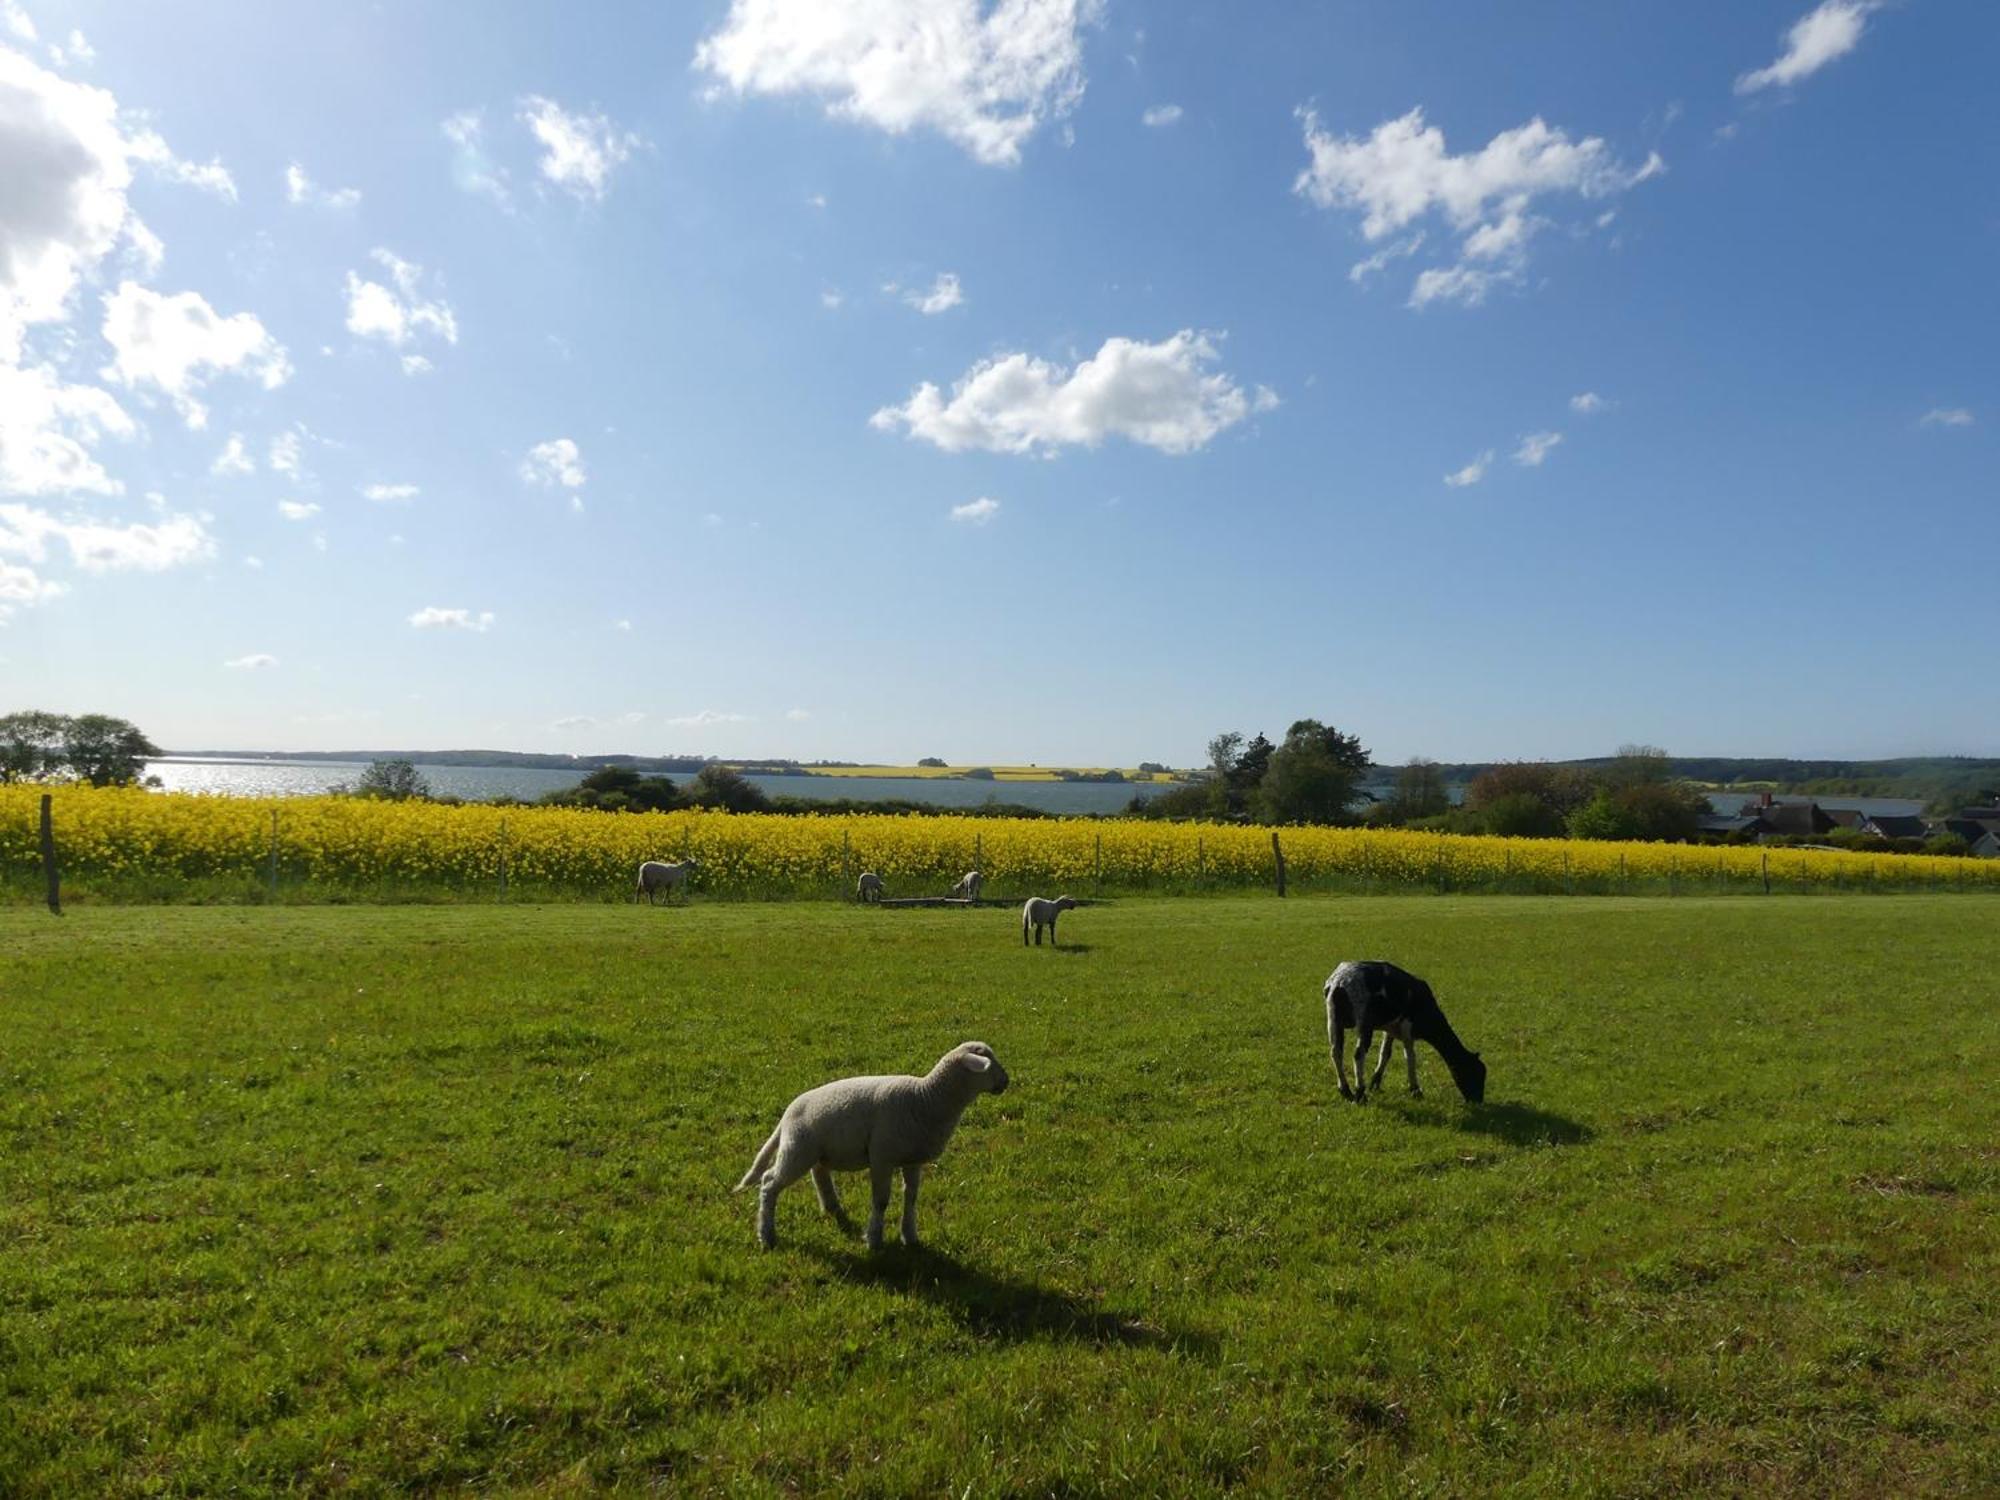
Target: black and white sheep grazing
655,877
1373,996
885,1124
868,887
1040,913
968,885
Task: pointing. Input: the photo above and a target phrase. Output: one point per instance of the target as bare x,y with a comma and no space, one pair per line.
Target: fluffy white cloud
286,455
416,364
1472,473
1361,270
1589,403
943,296
297,510
18,22
389,493
976,512
1163,395
1815,39
178,343
708,716
1947,416
102,547
985,77
578,151
301,189
77,50
431,617
558,464
47,429
1535,447
396,316
1161,114
1402,172
255,661
211,177
234,460
21,587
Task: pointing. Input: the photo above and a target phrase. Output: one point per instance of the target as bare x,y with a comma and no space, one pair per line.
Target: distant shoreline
684,765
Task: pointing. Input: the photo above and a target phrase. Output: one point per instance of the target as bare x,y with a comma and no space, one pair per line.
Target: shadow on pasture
1523,1125
1073,948
996,1307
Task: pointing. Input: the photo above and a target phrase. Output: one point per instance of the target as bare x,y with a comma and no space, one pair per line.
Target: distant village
1769,819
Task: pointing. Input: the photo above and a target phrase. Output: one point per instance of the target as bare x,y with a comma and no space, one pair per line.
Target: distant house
1978,833
1724,825
1896,826
1796,820
1849,818
1988,846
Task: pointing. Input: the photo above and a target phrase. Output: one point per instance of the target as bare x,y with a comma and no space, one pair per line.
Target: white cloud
297,510
286,455
579,152
301,189
471,168
817,200
255,661
1361,270
211,177
101,547
623,625
1535,447
1948,416
374,311
431,617
797,715
389,493
1402,172
557,464
21,587
985,77
234,460
18,22
1589,403
831,300
1816,39
976,512
251,560
178,343
1162,395
47,431
1472,473
943,295
1161,114
574,721
708,716
77,50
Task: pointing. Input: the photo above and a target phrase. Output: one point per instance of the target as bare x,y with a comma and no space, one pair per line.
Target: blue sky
1054,383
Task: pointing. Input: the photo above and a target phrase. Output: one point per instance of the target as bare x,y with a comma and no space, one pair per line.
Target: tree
1639,765
1646,810
31,745
721,786
1312,777
392,781
622,789
933,761
1559,789
1420,793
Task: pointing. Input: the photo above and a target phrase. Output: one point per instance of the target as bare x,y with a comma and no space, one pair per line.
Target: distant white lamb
868,887
881,1123
968,885
655,877
1039,913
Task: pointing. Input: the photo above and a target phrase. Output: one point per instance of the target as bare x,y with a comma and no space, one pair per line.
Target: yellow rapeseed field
127,839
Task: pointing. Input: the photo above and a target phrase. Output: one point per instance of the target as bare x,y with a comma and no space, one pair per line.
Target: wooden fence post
1767,872
1278,857
1097,866
503,859
49,856
273,881
1566,889
846,854
1200,859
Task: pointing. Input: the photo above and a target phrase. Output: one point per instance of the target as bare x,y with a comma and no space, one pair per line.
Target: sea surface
223,776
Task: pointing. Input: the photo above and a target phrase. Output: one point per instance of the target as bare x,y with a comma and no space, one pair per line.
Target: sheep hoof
1416,1093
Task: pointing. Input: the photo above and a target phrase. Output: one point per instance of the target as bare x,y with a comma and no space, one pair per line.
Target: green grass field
383,1199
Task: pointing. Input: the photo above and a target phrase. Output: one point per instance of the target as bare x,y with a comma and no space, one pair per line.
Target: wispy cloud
1948,416
1588,404
1535,447
256,661
976,512
1161,115
434,617
1831,31
1472,473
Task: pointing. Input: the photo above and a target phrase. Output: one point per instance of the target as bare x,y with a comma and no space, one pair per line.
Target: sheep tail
763,1160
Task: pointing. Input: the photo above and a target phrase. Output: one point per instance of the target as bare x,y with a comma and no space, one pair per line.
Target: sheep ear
978,1062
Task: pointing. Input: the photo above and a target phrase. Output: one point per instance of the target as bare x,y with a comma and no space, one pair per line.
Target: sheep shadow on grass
1516,1124
997,1307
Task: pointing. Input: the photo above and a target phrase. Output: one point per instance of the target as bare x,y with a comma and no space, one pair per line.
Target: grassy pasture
373,1199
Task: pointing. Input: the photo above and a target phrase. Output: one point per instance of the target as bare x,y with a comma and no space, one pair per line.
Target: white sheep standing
968,885
655,877
1040,913
868,887
881,1123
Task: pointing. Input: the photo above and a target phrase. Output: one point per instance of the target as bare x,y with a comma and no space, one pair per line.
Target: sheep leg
1382,1060
1052,932
829,1196
881,1177
791,1165
912,1175
1336,1041
1364,1035
1410,1057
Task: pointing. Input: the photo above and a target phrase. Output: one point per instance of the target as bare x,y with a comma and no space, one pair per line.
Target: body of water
305,778
1731,803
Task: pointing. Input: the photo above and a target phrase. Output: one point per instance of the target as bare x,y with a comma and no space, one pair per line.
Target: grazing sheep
1375,996
1039,913
655,877
881,1123
968,885
868,887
